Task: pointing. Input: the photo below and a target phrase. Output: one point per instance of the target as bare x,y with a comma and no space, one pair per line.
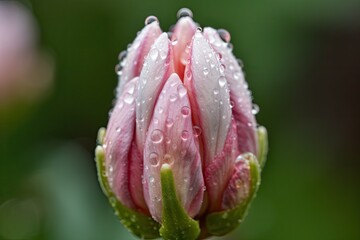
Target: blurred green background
302,62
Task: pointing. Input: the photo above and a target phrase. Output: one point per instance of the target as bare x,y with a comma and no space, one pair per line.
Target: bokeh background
302,62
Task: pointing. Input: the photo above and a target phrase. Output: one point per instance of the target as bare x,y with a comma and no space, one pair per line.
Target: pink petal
239,186
219,171
184,31
134,60
119,150
157,68
209,96
171,140
239,94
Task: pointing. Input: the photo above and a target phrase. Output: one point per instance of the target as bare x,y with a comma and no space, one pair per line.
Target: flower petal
239,94
134,60
184,31
220,170
119,150
157,68
209,96
240,185
171,140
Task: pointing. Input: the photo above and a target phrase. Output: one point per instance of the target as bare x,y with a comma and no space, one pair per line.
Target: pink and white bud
184,103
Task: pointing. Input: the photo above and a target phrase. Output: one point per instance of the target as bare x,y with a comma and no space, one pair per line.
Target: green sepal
176,224
263,145
221,223
139,224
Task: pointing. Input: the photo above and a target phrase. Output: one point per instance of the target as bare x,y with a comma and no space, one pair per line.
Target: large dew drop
151,19
181,91
157,136
222,81
154,53
154,159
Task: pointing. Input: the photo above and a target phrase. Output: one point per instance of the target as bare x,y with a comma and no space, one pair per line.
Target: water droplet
198,29
222,68
118,129
184,12
151,19
222,81
174,42
118,69
224,35
185,135
232,104
157,136
185,111
255,109
154,53
128,98
154,159
173,97
240,62
205,71
188,74
151,179
197,131
122,55
161,110
216,91
230,46
181,90
218,56
163,55
168,159
169,122
131,88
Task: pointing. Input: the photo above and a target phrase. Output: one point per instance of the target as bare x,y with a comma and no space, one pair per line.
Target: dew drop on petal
118,69
174,42
224,35
154,53
150,19
184,12
255,109
168,159
163,55
222,81
173,97
169,122
197,131
151,180
185,135
205,71
181,90
240,62
122,55
154,159
188,74
185,111
198,29
128,98
118,129
216,91
157,136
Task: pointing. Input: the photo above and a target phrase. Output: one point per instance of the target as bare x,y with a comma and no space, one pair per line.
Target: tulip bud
182,148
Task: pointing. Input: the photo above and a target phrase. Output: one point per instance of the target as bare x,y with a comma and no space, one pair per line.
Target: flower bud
182,148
